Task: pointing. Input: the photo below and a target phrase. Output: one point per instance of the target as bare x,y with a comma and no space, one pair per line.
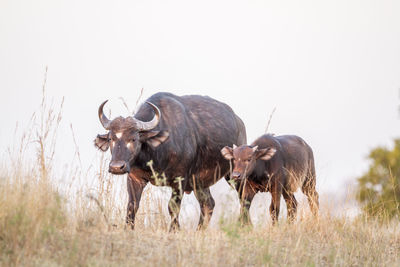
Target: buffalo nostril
236,175
118,167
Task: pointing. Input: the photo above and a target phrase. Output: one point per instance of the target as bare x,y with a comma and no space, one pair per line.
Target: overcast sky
331,68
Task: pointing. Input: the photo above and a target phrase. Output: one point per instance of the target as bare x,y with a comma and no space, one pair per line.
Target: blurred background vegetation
378,188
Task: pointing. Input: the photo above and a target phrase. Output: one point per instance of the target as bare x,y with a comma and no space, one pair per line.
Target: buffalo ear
227,152
265,153
102,142
154,138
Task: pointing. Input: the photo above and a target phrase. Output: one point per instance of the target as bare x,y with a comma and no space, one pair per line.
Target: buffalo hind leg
291,204
308,189
135,188
207,204
174,206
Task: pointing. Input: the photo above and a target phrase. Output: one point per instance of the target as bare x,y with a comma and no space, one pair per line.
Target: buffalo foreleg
135,188
207,205
174,207
276,193
246,194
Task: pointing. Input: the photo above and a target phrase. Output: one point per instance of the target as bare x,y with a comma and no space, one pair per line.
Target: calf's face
244,158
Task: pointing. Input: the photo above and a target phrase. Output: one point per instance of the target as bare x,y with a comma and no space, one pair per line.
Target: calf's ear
265,153
102,142
227,152
154,138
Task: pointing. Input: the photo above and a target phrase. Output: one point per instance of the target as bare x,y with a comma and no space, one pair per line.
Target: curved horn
103,119
149,125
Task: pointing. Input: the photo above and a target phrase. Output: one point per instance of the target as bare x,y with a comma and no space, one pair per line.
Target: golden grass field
44,224
38,229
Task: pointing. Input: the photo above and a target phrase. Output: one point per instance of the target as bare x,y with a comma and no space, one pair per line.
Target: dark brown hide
279,165
186,143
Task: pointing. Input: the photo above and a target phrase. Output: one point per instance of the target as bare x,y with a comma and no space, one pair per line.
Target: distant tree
379,187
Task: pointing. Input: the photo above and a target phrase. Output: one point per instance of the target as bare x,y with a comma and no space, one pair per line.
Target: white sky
331,68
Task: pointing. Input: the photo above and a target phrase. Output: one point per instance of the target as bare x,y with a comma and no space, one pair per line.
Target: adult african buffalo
182,136
276,164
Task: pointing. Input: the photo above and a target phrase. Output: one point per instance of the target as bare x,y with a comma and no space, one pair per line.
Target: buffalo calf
275,164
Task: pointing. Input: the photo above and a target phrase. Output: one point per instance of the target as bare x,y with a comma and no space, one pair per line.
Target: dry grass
43,226
36,229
